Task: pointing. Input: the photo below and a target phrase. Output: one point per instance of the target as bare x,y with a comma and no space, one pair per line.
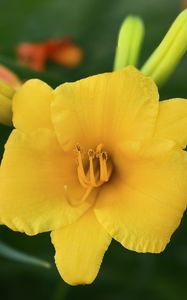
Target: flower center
96,170
93,170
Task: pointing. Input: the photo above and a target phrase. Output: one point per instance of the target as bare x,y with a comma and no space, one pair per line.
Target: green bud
6,95
166,57
5,110
129,42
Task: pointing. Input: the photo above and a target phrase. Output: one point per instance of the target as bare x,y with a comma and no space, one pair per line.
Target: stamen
99,168
91,155
99,150
103,167
81,173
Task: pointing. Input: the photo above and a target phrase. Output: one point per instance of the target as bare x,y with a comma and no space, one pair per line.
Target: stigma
93,169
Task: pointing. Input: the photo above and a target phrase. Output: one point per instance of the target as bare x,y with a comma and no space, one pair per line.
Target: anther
104,155
91,153
99,150
78,148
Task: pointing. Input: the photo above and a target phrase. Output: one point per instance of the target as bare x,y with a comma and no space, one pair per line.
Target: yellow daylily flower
93,160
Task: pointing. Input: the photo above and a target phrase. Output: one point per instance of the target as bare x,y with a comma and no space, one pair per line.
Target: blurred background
90,26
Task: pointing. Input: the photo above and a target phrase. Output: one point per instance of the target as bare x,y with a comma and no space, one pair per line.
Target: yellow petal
105,109
80,248
143,204
33,173
172,121
31,106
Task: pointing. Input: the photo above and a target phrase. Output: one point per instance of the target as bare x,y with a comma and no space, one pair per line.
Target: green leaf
16,255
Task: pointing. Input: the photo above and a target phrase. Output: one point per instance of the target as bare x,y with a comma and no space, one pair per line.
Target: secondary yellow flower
97,159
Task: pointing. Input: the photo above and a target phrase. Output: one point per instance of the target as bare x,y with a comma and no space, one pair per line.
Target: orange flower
184,4
62,51
68,54
32,55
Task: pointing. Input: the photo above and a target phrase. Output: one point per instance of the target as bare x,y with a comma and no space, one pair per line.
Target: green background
94,25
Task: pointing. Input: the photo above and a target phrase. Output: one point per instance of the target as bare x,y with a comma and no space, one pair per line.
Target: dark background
94,25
